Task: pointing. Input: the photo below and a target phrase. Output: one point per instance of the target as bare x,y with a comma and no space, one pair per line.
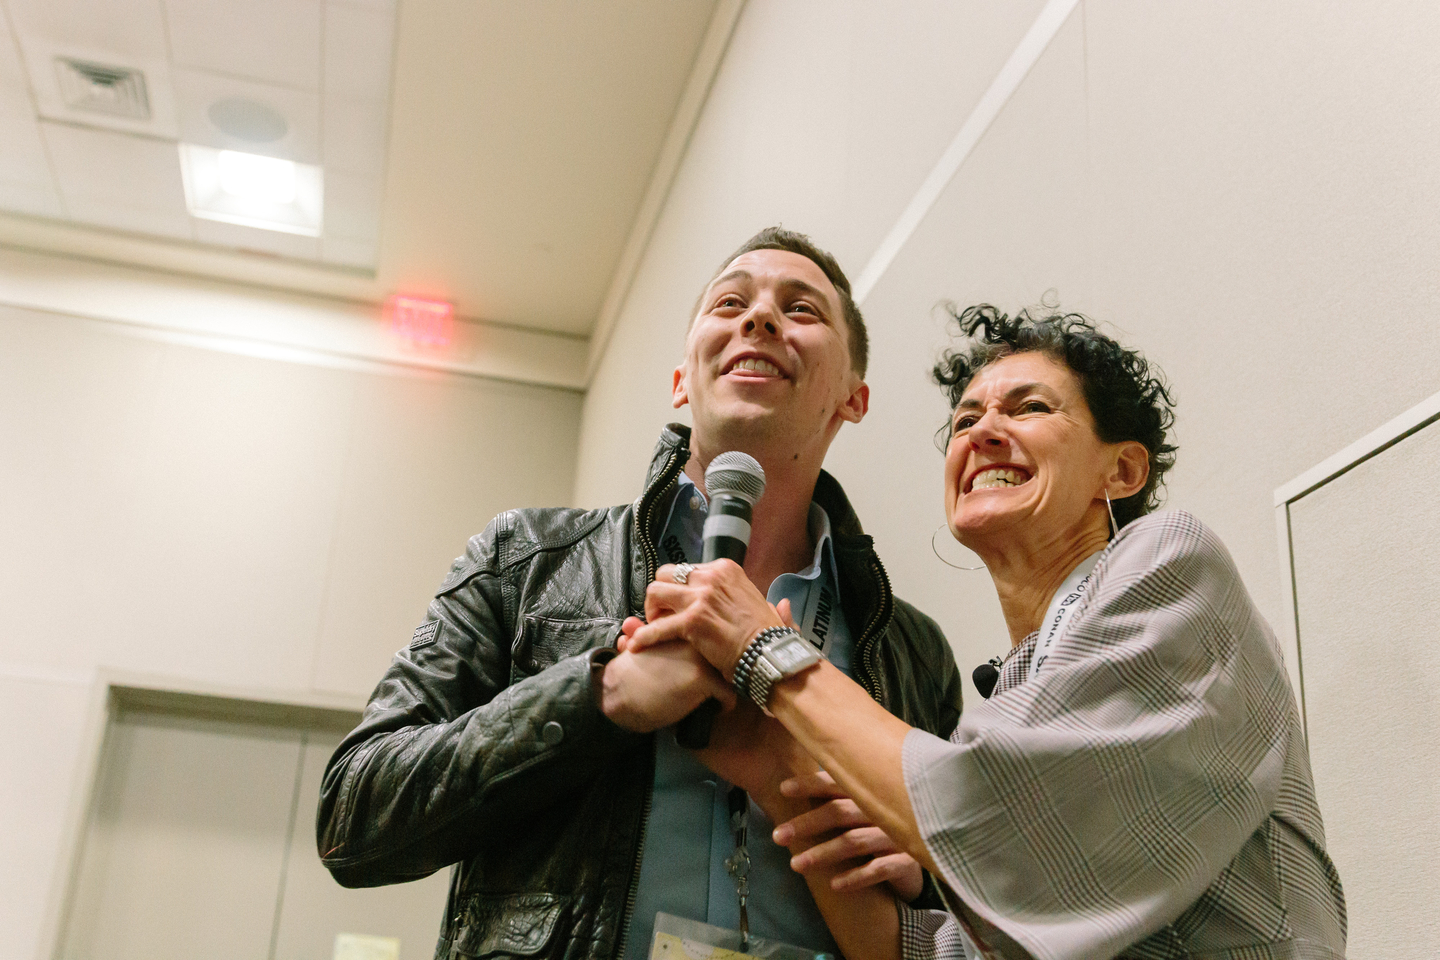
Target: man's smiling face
767,360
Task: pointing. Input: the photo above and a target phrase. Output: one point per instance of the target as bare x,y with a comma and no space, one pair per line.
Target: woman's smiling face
1024,460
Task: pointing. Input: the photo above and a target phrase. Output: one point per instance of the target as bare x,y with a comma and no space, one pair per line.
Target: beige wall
221,520
1246,192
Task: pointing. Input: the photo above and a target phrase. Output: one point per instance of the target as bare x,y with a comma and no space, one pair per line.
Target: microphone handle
693,732
723,548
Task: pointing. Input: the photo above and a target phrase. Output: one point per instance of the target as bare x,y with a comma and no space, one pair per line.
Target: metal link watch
775,654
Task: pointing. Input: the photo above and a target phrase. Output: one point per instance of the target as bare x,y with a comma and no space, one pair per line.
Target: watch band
746,664
762,669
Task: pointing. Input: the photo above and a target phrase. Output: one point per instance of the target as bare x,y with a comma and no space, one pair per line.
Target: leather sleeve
450,749
931,681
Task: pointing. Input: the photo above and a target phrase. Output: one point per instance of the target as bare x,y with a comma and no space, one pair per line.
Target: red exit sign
429,323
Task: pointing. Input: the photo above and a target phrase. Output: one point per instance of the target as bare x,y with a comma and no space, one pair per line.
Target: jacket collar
865,589
675,438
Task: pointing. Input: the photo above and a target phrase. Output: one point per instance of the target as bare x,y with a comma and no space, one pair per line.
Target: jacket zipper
644,519
870,654
652,564
634,891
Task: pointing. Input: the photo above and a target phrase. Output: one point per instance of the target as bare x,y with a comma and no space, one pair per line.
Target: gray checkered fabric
1146,795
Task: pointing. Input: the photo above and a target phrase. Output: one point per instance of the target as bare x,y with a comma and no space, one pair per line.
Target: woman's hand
717,610
851,837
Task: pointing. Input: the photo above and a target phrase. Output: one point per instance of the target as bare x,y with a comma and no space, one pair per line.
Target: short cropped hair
778,238
1127,396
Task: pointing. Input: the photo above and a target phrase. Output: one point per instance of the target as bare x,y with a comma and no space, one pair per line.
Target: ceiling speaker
247,120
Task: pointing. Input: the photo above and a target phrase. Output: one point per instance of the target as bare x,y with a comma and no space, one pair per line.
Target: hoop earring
936,550
1114,527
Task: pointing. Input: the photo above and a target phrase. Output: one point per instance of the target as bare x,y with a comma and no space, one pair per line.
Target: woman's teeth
759,366
998,477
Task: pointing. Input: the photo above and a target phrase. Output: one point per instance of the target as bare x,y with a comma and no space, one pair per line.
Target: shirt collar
817,525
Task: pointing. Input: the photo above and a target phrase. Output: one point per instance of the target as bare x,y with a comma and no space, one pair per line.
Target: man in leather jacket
510,739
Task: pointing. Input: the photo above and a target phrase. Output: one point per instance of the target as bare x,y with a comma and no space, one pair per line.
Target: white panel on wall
187,842
1366,549
352,206
400,524
217,516
74,408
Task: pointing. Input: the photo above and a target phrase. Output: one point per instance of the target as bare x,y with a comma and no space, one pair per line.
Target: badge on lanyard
1065,602
679,939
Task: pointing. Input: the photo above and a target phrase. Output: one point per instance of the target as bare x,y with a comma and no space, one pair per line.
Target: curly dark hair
1127,396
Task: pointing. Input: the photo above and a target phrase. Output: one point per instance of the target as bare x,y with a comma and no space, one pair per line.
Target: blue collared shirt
688,837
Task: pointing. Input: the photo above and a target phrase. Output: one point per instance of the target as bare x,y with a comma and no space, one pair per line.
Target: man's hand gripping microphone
733,481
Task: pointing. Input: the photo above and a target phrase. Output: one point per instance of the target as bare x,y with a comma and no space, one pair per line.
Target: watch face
791,654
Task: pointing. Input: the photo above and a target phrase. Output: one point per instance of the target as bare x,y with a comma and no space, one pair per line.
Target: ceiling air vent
101,88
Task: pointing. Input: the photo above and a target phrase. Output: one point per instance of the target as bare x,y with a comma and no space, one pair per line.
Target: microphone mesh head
735,474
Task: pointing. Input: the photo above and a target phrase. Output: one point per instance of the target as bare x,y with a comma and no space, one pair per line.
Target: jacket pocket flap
545,641
519,925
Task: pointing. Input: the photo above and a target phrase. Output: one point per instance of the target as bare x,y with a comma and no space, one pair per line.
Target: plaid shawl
1146,794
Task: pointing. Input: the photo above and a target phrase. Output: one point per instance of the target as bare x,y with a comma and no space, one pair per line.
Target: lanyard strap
738,863
1066,599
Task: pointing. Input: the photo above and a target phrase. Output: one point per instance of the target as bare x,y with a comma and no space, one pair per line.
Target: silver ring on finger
683,571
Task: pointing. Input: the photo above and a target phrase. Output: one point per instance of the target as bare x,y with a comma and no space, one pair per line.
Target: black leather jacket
484,744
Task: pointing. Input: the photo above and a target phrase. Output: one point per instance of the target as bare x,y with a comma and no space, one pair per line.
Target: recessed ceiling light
253,191
257,179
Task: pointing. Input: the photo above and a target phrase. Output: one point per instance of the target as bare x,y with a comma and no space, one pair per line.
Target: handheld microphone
733,481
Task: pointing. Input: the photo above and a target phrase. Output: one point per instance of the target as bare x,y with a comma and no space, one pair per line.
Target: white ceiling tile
133,29
353,136
15,99
256,240
118,180
36,200
196,91
23,161
350,253
352,206
12,70
359,50
274,41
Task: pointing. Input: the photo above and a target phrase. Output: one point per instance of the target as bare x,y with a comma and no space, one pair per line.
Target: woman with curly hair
1137,784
